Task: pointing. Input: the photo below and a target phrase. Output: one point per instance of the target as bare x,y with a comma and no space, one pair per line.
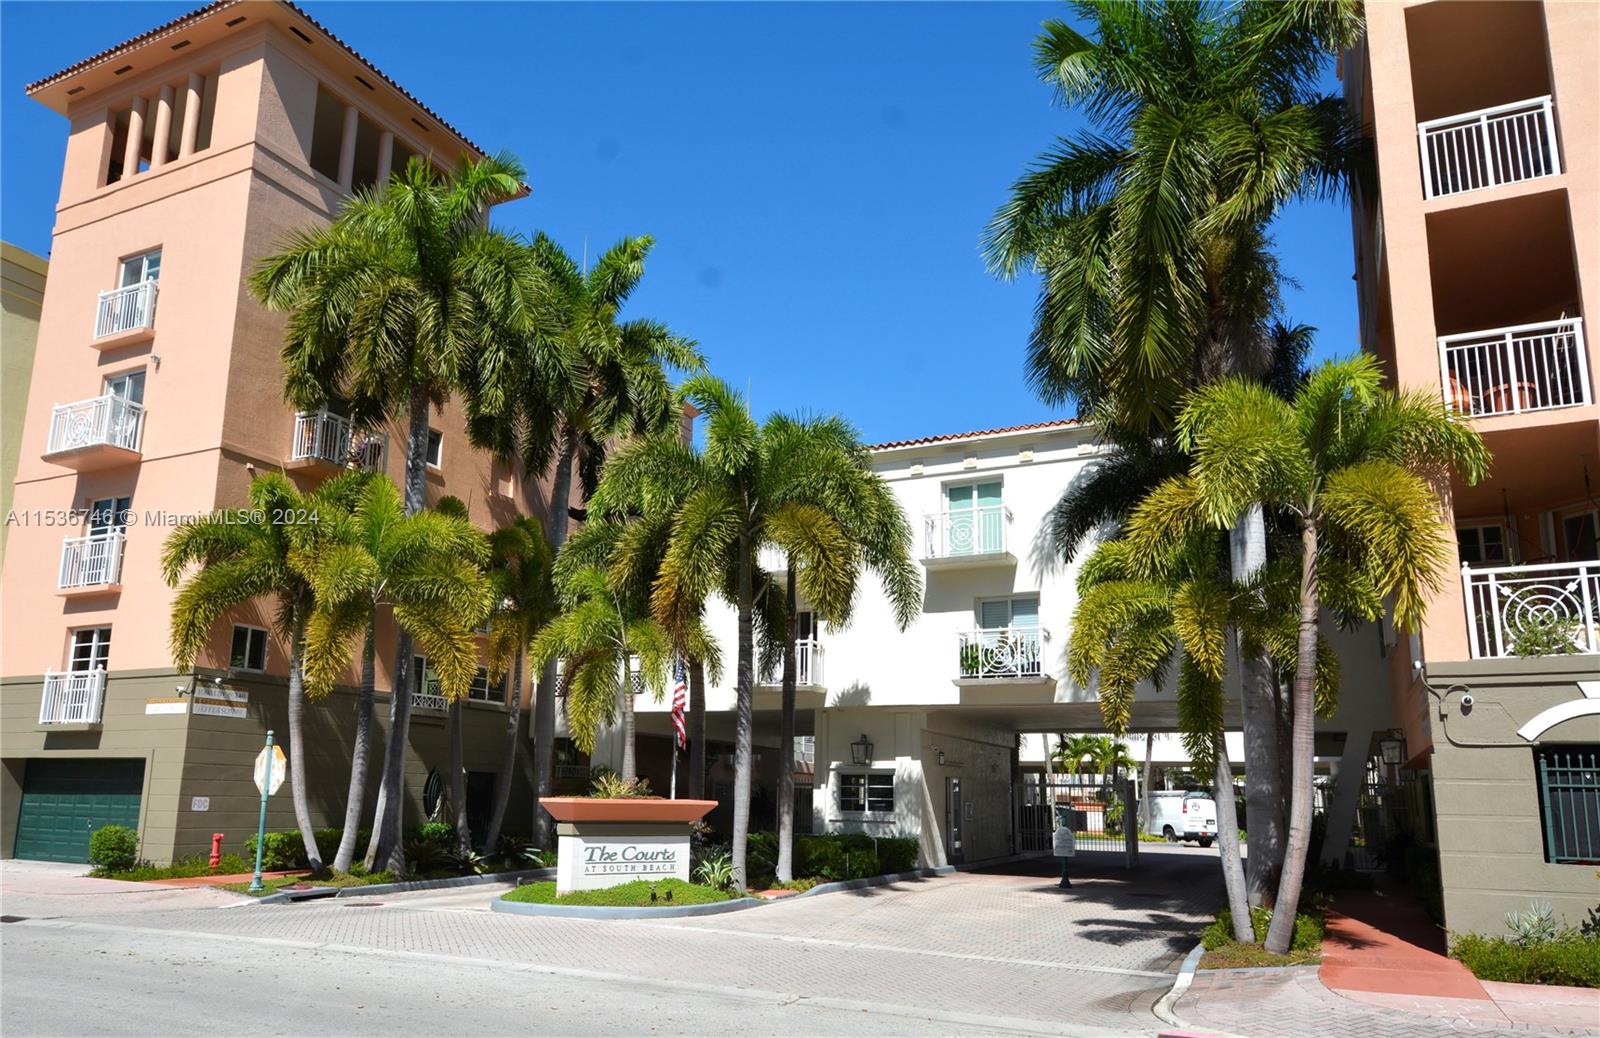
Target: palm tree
1151,234
1353,467
407,297
368,556
751,486
1110,755
590,381
520,571
1072,751
221,563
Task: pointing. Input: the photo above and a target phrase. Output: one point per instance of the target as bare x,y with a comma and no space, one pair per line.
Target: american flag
680,700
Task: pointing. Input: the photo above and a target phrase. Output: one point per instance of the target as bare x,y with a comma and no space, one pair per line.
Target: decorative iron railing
75,697
125,309
1003,652
966,532
332,438
1569,805
1547,609
107,420
92,560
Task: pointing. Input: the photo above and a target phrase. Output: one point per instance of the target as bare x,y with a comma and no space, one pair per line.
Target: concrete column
1346,795
347,148
191,115
385,155
130,153
158,149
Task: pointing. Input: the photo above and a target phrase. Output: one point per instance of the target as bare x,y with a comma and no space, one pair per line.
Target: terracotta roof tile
193,16
1060,423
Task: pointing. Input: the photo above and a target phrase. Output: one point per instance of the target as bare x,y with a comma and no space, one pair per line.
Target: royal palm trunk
786,737
1263,804
508,763
458,779
360,753
630,762
1281,932
744,711
297,743
1233,879
544,701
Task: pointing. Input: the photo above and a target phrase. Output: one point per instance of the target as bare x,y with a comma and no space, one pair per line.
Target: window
249,648
425,685
1568,782
107,514
91,648
1579,533
435,448
141,268
866,791
483,691
128,386
999,613
1482,545
976,524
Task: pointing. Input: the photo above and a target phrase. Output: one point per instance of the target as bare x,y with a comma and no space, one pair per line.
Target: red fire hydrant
216,849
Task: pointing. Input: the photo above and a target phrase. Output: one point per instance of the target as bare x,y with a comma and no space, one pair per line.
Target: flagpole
673,795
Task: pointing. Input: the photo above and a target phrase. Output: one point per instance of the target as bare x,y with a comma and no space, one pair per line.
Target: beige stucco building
1478,265
157,393
22,276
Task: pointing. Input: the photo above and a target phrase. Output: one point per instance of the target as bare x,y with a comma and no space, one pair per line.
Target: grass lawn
185,868
273,884
1234,955
623,895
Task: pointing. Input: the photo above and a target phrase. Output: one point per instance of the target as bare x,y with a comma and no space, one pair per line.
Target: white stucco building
947,703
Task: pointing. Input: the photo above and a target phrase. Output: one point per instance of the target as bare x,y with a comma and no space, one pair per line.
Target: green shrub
281,850
114,848
836,856
636,894
898,853
1308,930
183,868
441,833
1570,959
614,787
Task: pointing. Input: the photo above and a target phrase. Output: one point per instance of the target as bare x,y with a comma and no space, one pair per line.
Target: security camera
1466,702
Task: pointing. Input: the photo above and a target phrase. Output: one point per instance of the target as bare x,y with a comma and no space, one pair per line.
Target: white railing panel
107,420
1550,608
75,697
1526,367
1002,652
1501,145
328,437
125,309
808,662
966,532
92,560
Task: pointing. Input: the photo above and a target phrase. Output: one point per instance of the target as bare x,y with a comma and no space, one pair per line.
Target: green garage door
65,800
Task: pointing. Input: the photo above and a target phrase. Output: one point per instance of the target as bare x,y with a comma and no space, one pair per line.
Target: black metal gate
1099,804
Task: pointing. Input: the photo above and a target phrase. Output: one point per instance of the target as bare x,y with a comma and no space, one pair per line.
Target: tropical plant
408,297
1354,468
611,786
1073,751
1534,924
365,555
1110,755
222,561
520,570
1546,635
589,380
1151,232
716,871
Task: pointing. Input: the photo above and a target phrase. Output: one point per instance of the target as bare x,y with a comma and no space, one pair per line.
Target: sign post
269,775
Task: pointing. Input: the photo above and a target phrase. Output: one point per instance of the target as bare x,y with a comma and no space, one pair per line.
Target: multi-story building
924,731
22,276
157,393
1478,265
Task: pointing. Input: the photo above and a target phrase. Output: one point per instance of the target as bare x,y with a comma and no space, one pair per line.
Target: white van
1180,815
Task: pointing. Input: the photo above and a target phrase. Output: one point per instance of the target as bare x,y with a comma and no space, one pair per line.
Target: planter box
601,843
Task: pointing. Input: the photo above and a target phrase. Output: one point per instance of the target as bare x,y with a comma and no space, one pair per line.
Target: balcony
807,666
1548,609
1505,144
96,433
1001,653
966,538
1526,367
125,316
73,698
91,565
328,442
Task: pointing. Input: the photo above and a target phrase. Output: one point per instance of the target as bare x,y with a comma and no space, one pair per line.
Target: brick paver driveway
999,951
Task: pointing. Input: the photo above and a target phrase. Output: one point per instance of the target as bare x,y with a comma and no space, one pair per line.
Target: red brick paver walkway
209,880
1382,940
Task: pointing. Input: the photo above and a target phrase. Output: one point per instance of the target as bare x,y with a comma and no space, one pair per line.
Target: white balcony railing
1489,147
109,420
807,662
73,698
1547,609
1002,652
124,310
91,561
967,532
320,435
1526,367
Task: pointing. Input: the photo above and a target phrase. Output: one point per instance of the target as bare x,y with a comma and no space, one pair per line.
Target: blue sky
816,176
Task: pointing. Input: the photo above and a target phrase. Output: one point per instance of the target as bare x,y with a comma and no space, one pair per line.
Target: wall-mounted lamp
861,751
941,758
1392,747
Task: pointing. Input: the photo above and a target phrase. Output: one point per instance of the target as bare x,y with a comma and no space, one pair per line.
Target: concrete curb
285,897
1164,1008
603,912
871,881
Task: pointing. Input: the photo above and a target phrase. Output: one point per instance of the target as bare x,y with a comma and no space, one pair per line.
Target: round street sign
280,768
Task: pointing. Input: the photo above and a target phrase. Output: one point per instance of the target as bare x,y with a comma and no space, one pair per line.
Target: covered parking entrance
66,799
